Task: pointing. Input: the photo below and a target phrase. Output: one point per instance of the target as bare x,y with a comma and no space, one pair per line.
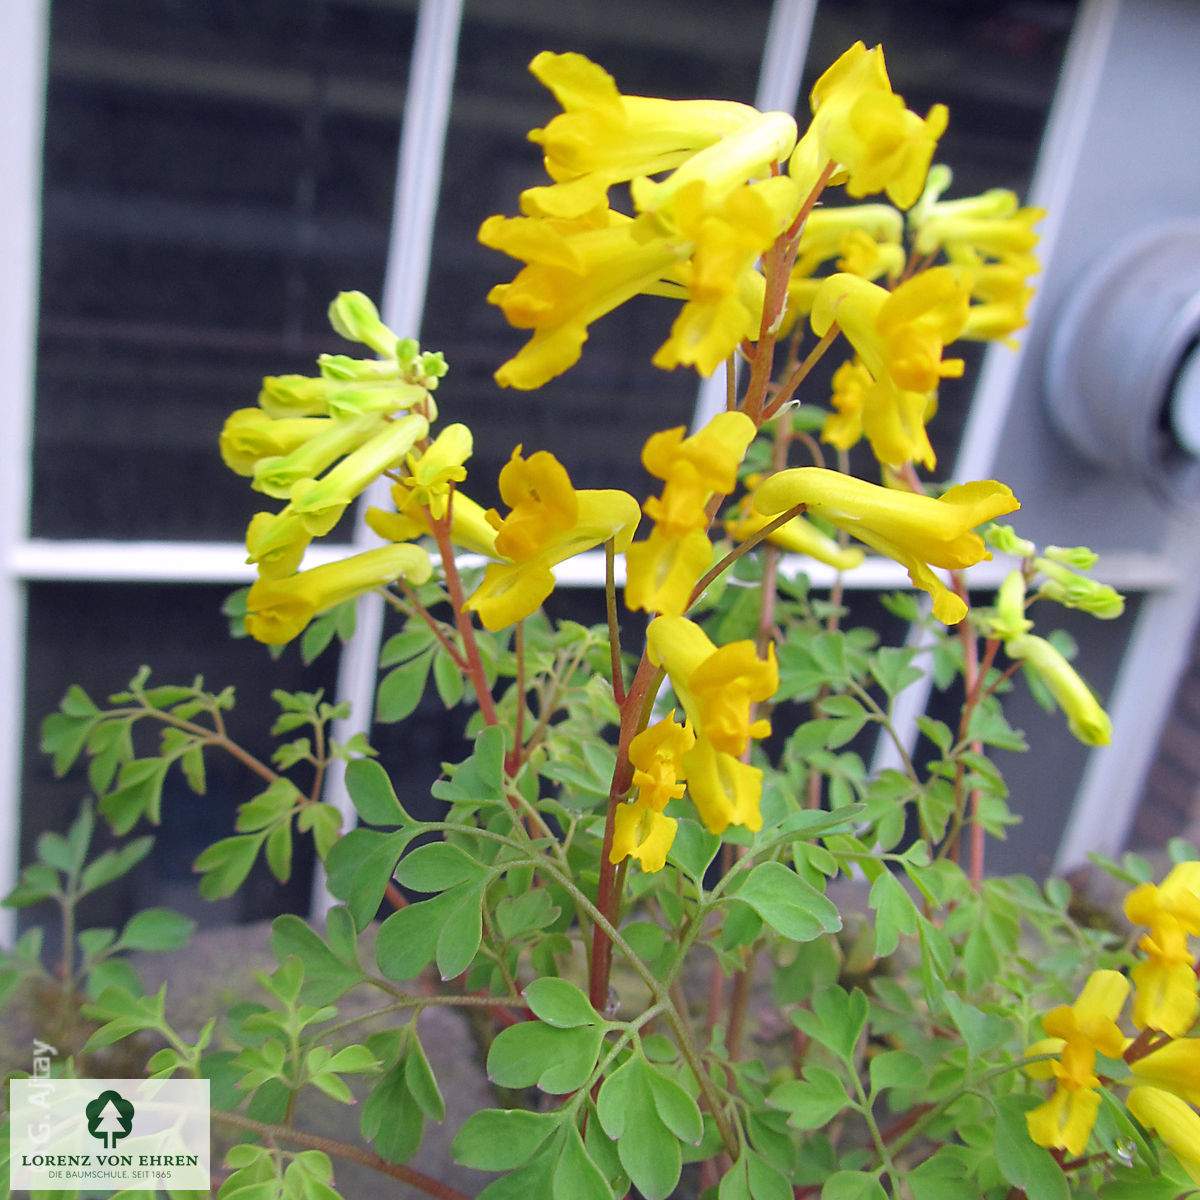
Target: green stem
742,548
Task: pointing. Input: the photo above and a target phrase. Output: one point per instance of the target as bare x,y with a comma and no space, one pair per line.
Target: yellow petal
1173,1121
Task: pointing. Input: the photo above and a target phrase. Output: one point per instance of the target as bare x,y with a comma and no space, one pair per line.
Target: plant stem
335,1149
614,628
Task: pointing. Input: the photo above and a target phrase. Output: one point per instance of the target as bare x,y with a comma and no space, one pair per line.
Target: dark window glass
215,171
97,635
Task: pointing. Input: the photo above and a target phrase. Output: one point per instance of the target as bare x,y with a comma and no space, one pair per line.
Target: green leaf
753,1178
64,736
895,1069
811,1102
139,792
401,689
225,865
981,1031
647,1149
787,903
447,678
480,778
531,910
372,793
836,1020
895,913
112,864
853,1185
156,929
408,939
1021,1162
122,1014
400,647
558,1061
893,669
359,866
560,1003
677,1110
279,851
501,1139
391,1117
694,849
326,975
576,1175
422,1083
461,935
437,866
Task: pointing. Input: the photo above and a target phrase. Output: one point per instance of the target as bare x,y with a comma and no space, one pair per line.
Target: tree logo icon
109,1118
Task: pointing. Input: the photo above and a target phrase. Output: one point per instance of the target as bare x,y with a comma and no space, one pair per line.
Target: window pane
97,635
215,171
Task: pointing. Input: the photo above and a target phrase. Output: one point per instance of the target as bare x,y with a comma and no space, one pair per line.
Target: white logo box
68,1134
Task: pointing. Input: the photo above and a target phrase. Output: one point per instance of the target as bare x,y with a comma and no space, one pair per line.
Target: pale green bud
342,367
1077,591
1004,538
356,318
1007,617
293,396
1079,557
1086,719
275,475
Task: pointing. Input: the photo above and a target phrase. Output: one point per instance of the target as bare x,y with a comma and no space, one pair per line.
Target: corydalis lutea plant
633,884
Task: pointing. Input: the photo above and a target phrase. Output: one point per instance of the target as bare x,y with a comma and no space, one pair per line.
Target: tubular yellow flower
977,228
863,125
603,137
279,609
1177,897
249,434
1085,718
1086,1027
1164,996
319,503
550,521
642,833
655,754
797,536
294,396
276,542
1174,1067
746,153
662,571
898,334
577,270
892,420
724,789
917,531
469,527
826,230
724,290
334,438
716,685
432,472
1173,1121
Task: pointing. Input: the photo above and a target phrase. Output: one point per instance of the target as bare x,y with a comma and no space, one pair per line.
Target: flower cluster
1163,1064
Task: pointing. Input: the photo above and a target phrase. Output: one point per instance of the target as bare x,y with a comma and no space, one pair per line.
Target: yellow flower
716,685
274,475
861,124
917,531
603,137
724,789
276,542
279,609
898,334
642,833
1085,718
1173,1121
1165,996
433,471
249,434
724,289
655,754
1174,1067
577,270
550,521
469,527
695,469
1086,1027
319,503
797,536
892,420
978,228
662,571
294,396
826,230
1177,897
